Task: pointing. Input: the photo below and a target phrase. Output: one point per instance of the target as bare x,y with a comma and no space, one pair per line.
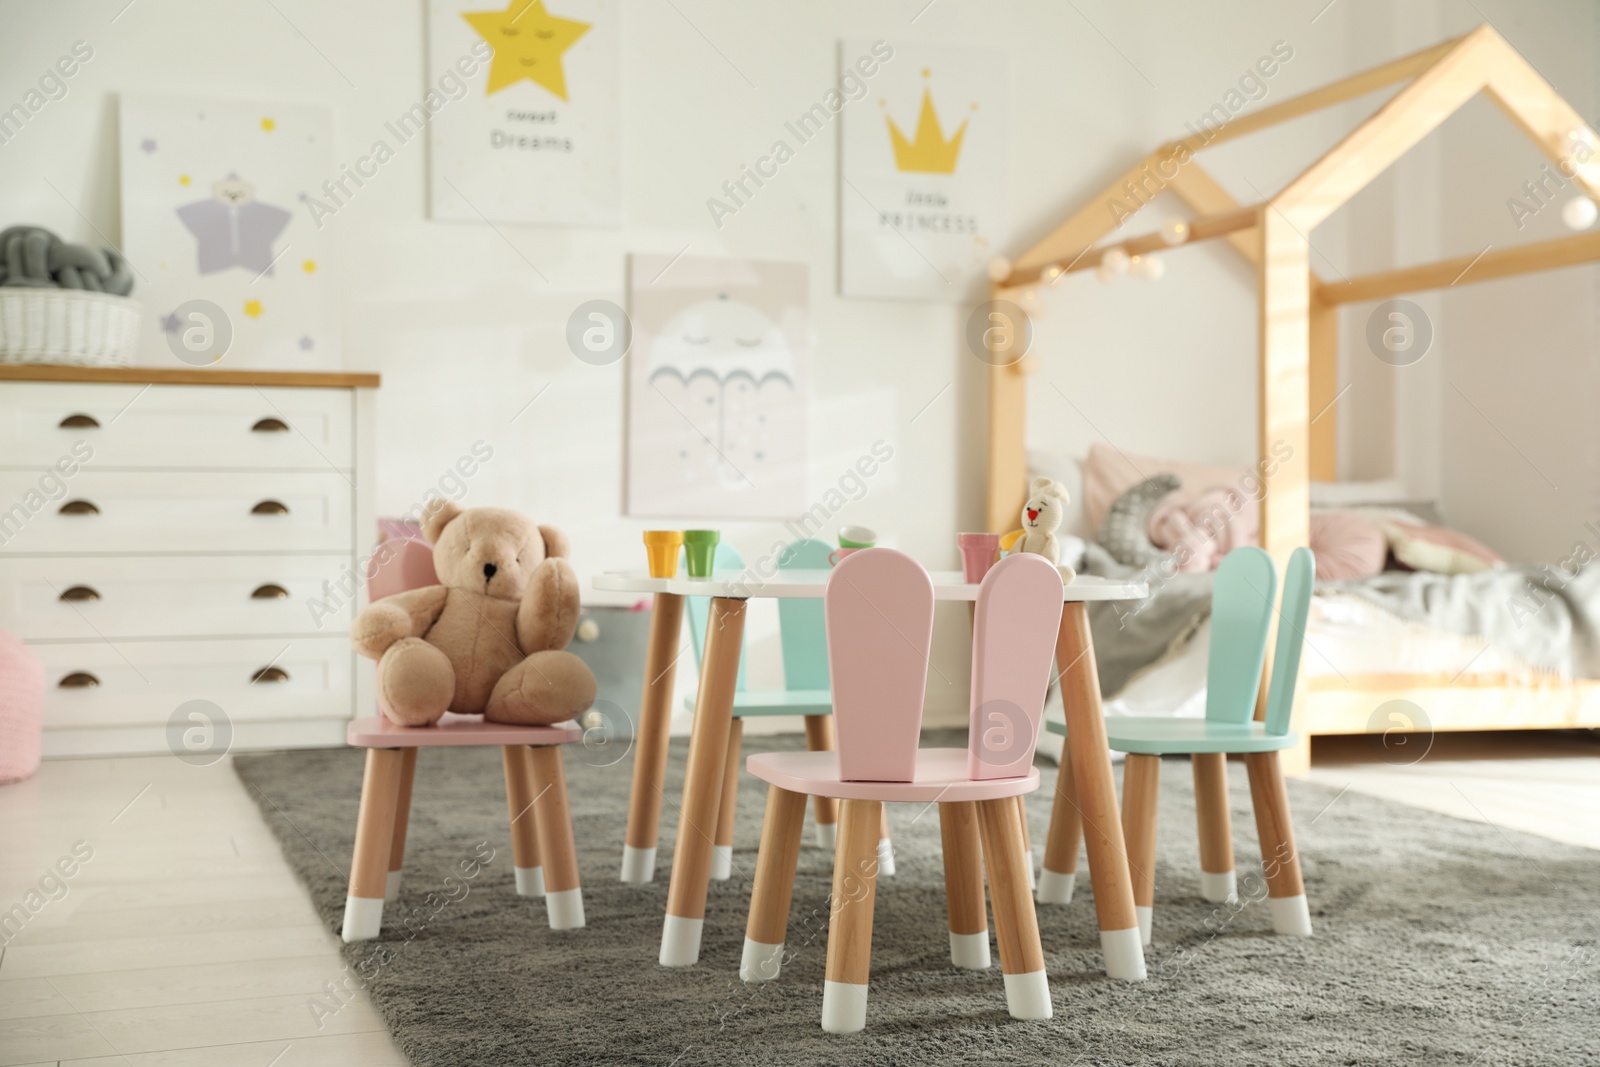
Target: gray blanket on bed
1547,615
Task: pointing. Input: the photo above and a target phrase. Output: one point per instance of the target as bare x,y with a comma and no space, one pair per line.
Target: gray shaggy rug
1437,941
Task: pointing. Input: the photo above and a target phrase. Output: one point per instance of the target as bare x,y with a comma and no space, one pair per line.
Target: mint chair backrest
1297,583
727,558
879,610
800,622
1242,599
1013,642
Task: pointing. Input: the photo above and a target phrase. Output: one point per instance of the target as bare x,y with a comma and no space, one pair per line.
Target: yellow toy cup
662,548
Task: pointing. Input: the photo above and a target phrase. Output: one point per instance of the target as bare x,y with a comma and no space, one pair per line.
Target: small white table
1087,767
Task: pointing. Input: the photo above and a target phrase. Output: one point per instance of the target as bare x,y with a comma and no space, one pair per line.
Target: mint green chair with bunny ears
1242,608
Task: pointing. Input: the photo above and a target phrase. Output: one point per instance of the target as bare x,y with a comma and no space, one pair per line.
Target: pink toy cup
840,553
978,554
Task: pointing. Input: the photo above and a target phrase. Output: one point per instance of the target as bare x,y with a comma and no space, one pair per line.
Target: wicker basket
67,326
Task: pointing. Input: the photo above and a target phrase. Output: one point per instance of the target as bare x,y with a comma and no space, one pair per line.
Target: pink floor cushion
21,709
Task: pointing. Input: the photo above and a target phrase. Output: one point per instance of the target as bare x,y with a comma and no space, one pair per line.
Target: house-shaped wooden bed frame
1298,330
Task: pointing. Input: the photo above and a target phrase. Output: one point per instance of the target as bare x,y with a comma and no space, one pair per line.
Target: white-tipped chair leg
391,887
362,918
1145,916
1055,887
844,1007
1219,888
680,941
828,835
760,962
1028,995
885,857
530,881
970,952
638,864
1290,915
721,862
564,908
1124,953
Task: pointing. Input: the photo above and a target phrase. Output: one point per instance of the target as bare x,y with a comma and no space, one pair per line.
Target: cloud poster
529,128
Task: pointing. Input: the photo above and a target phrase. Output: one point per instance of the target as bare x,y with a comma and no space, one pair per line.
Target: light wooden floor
187,942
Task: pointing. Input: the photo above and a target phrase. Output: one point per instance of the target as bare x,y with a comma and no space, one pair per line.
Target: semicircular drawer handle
270,674
270,591
78,680
80,592
270,507
270,425
78,507
79,421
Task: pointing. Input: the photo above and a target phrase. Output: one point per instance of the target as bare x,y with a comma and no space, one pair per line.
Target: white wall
465,332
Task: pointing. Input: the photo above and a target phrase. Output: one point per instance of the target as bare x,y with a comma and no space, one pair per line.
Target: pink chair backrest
398,565
1013,640
878,608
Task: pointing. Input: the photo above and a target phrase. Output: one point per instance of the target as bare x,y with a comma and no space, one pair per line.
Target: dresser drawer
119,512
131,683
82,598
185,426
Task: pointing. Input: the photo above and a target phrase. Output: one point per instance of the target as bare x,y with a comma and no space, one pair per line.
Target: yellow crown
929,153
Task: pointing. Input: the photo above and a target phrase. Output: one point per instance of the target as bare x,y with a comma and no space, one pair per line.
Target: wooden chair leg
1059,874
855,880
1286,891
824,810
722,850
369,866
402,821
885,847
1141,779
768,926
1016,927
963,885
650,740
563,897
520,794
1027,841
1218,882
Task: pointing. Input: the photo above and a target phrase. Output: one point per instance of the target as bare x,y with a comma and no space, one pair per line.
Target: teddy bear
1042,515
490,639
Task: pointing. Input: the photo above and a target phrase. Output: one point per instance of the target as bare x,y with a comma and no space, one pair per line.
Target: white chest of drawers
168,536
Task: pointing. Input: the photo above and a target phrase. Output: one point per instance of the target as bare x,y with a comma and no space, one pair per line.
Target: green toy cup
700,548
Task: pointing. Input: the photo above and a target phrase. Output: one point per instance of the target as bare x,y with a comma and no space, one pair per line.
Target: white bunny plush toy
1042,516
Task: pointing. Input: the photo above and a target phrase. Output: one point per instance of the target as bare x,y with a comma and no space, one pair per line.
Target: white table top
947,585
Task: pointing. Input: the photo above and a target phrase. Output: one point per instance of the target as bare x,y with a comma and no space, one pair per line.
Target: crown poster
922,189
522,111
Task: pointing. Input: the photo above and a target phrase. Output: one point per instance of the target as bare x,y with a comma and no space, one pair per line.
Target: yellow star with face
527,42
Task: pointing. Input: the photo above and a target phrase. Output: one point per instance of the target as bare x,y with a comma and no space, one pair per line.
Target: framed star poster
219,211
922,165
524,105
717,379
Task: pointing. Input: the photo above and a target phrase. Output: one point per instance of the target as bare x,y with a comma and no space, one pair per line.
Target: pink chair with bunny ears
542,849
879,613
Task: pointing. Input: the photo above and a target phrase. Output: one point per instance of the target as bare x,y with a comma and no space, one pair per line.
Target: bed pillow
1124,532
1347,545
1438,549
1109,472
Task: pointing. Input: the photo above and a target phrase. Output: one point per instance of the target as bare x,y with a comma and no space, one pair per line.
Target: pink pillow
1438,549
1346,545
1109,472
21,709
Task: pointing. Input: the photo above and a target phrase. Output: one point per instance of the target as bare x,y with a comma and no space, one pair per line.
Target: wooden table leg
702,784
1286,891
1060,874
963,885
1027,840
520,793
563,896
1141,790
773,890
824,810
1016,926
1097,796
650,740
855,880
885,846
1218,882
722,853
402,820
369,867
